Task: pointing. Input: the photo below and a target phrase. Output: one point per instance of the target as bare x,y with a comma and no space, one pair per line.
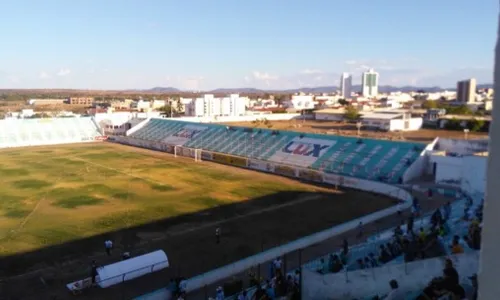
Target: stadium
214,211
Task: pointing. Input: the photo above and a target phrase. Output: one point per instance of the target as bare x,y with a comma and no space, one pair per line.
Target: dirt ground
330,127
247,228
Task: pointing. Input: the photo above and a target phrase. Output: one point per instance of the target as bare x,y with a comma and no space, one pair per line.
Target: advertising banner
220,158
237,161
340,180
284,170
101,138
186,152
260,165
205,155
302,152
86,139
169,149
310,175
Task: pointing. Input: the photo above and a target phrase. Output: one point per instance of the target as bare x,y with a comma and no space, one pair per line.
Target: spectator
219,293
456,248
345,247
450,273
323,267
360,230
395,293
409,226
421,235
361,264
108,245
368,263
182,285
398,231
436,218
243,296
269,290
93,272
384,255
217,235
260,293
475,286
277,263
447,210
373,260
336,264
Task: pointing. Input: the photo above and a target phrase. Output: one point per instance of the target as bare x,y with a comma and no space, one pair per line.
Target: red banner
101,138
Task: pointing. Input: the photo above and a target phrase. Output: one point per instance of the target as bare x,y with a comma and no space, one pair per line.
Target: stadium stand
460,219
362,158
33,132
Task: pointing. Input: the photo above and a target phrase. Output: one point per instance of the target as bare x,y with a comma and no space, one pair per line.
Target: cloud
311,71
263,76
63,72
351,62
44,75
14,79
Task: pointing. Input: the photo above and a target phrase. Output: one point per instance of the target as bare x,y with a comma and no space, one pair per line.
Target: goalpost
196,153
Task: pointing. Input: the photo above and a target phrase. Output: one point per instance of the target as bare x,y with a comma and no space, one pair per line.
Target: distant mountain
314,90
237,91
164,90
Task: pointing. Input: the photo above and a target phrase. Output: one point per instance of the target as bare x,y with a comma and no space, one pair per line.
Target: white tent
132,268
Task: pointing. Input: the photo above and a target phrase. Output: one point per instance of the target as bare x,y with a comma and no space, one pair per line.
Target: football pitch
54,194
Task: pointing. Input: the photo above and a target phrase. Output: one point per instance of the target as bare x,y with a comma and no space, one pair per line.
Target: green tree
428,104
476,125
351,113
343,102
168,110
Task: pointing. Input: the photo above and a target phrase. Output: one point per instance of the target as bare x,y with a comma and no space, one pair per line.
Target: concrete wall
420,165
399,125
448,170
463,146
411,277
474,174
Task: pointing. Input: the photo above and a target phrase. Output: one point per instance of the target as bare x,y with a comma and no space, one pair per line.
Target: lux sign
304,149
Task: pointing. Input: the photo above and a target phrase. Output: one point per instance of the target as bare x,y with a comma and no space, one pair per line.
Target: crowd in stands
417,237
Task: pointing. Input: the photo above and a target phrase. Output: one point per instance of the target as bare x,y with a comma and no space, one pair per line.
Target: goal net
187,152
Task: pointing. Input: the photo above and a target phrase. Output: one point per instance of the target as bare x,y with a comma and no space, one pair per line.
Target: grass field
50,195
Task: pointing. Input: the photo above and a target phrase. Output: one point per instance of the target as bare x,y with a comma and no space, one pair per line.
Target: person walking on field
217,235
108,245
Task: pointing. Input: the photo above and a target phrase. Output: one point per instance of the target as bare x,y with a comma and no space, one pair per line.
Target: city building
369,84
345,85
81,100
46,101
466,91
300,102
210,106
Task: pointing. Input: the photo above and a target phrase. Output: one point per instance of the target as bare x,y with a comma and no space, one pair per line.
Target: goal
188,152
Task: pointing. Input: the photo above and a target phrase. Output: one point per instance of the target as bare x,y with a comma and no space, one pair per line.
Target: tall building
466,91
210,106
345,85
369,83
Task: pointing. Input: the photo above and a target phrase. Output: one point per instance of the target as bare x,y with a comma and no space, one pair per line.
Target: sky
266,44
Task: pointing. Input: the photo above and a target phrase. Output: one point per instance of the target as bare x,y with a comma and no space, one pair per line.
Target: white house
300,102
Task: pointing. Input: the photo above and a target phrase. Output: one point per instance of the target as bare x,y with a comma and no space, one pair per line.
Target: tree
343,102
178,105
351,113
476,125
428,104
168,110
